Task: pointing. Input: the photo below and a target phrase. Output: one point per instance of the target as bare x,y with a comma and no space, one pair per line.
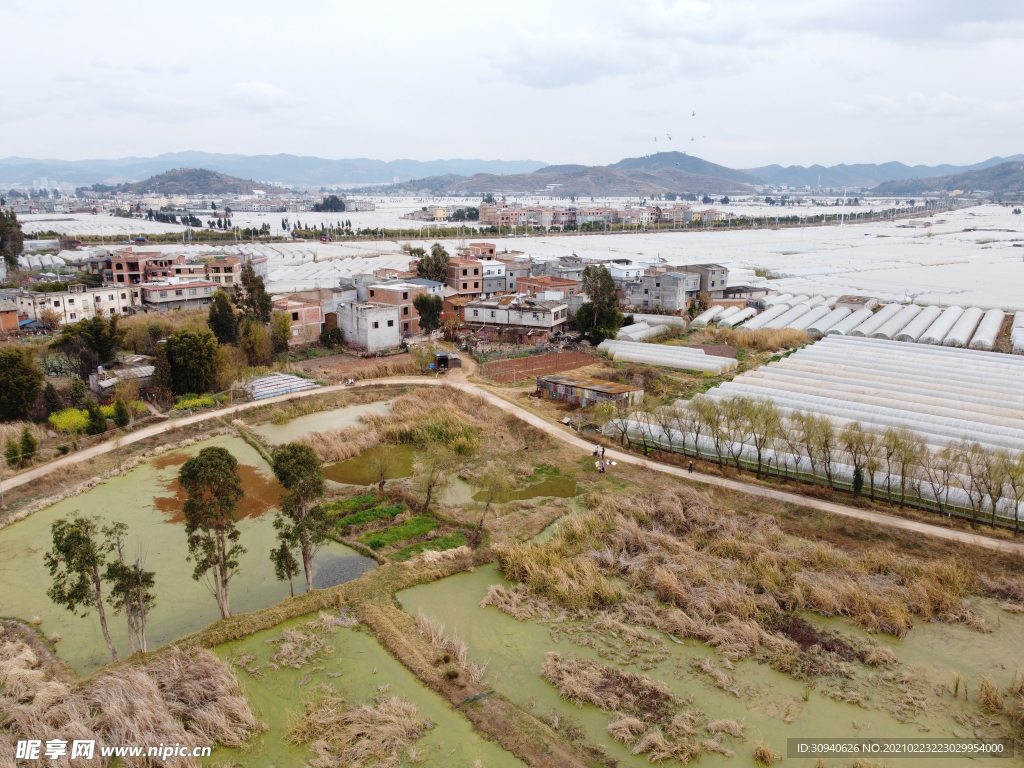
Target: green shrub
121,415
440,544
355,504
97,420
410,529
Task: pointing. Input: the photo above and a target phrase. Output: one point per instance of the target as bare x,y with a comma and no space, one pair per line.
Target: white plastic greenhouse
739,317
787,317
684,358
648,333
938,330
941,393
771,301
705,317
807,318
819,327
843,327
964,328
628,329
726,313
1017,333
671,320
767,316
988,329
919,324
876,321
897,322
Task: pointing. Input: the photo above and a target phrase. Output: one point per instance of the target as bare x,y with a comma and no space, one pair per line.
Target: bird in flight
691,138
694,114
669,137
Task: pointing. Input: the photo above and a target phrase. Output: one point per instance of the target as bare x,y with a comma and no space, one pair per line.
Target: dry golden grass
296,649
764,754
724,578
761,340
182,697
454,649
359,735
989,697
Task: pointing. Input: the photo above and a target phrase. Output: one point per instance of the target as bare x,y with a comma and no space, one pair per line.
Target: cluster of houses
507,294
501,215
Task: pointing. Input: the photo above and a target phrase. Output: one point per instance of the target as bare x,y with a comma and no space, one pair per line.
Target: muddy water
364,666
359,469
773,705
460,493
340,418
147,499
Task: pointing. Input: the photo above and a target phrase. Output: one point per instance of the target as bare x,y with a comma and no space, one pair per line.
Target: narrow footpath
554,430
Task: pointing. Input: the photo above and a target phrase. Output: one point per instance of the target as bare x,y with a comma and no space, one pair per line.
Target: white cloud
259,96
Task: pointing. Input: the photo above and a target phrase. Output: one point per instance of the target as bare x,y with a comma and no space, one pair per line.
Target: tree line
90,569
897,463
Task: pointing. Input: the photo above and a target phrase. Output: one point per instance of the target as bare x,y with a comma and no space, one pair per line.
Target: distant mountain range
285,169
866,175
636,176
1002,179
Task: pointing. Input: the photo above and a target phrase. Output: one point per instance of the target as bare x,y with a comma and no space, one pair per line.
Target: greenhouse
683,358
916,328
739,317
820,327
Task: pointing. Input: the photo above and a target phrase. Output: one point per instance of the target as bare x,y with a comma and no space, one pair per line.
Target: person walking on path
691,467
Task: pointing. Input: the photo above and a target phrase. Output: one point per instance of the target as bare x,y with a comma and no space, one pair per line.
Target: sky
919,81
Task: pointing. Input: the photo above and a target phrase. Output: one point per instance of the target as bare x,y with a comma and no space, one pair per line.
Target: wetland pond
149,500
339,418
911,700
358,670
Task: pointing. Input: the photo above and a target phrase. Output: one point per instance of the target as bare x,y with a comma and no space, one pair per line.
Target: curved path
556,431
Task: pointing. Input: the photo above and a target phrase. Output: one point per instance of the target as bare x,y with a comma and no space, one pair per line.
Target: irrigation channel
902,702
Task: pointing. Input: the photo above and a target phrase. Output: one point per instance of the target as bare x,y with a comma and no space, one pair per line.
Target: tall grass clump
186,697
454,649
730,580
364,735
762,340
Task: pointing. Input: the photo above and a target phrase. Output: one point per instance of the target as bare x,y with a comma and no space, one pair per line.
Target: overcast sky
920,81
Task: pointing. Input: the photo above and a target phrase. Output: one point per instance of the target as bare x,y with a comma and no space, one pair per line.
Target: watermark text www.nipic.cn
54,749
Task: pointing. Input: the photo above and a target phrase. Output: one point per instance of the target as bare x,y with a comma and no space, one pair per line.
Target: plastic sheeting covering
787,317
816,313
672,320
819,327
985,336
944,394
1017,333
649,333
963,330
705,317
919,324
628,329
938,330
682,362
843,327
767,316
771,301
739,317
897,323
726,313
876,321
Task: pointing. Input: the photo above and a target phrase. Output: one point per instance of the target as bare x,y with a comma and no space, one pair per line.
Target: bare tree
805,431
969,480
433,473
993,478
909,447
736,423
710,415
940,470
872,457
667,418
495,485
828,446
381,464
765,427
1015,480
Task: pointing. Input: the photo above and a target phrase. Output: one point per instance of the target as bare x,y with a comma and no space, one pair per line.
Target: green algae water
148,500
339,418
359,469
914,700
360,667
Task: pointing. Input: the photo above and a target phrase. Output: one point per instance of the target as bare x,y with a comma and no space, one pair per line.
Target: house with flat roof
586,392
371,326
306,317
177,295
402,294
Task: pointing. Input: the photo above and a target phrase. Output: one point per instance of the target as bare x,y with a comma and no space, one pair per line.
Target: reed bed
360,735
185,697
453,648
765,340
729,580
297,649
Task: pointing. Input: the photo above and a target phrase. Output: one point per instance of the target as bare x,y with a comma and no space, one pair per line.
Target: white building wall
357,322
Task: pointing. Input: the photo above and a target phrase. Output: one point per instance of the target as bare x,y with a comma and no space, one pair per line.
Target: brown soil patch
170,459
261,495
717,350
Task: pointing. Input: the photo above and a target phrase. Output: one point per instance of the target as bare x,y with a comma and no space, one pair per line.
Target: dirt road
555,430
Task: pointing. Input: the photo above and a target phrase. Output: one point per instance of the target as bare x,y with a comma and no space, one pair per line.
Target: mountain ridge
999,179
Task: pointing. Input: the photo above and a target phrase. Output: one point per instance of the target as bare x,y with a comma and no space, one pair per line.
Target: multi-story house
667,292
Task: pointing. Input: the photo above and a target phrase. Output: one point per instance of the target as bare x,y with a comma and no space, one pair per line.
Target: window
405,311
645,291
56,303
405,295
179,293
119,266
163,294
464,273
476,313
192,291
657,285
295,332
712,283
476,285
391,323
464,285
124,296
377,325
110,297
372,294
207,290
476,270
73,316
492,313
113,311
71,301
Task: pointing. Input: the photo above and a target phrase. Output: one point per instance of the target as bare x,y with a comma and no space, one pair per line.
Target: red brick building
531,286
466,276
306,316
401,295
